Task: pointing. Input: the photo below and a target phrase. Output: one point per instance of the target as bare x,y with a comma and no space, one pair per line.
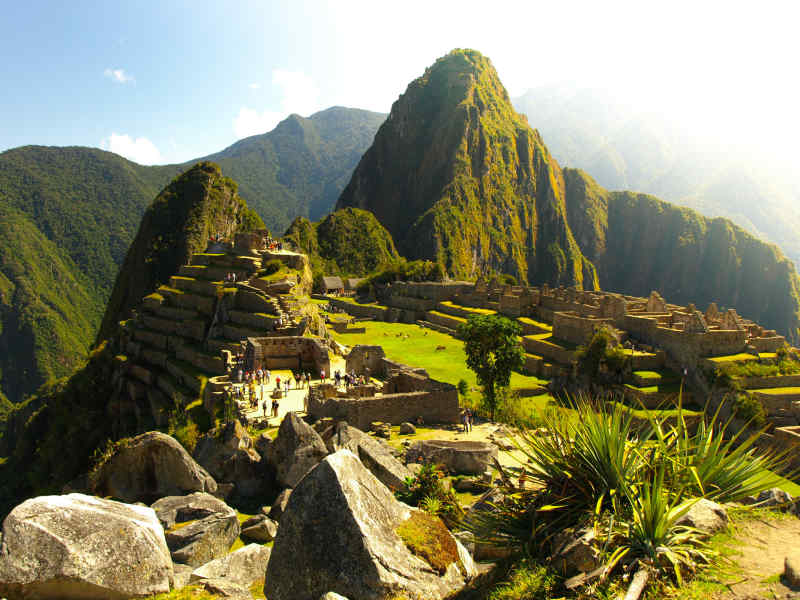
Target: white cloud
140,150
254,86
118,75
250,122
298,94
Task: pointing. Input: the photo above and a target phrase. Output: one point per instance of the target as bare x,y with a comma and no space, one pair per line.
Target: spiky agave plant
713,462
587,454
648,529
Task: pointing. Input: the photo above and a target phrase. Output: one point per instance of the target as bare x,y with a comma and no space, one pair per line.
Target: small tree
493,352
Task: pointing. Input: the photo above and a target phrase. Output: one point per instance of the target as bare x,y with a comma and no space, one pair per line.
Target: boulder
575,551
774,497
182,575
295,451
705,515
379,460
203,540
358,553
280,505
407,429
83,547
179,509
259,529
227,453
468,457
243,567
148,467
262,443
791,571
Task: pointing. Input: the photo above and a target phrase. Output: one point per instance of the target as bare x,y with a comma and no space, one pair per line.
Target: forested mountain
76,210
656,153
457,176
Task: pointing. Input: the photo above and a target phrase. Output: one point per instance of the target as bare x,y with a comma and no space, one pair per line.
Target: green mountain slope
347,242
301,166
194,206
457,176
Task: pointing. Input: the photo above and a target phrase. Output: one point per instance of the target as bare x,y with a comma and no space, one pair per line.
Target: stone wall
363,357
368,311
577,329
769,382
288,352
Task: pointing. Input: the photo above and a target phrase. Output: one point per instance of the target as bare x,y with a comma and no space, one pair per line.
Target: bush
426,491
748,408
602,350
463,387
272,266
527,580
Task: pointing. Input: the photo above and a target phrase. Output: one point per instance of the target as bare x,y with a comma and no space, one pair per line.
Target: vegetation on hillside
47,311
348,242
458,177
195,206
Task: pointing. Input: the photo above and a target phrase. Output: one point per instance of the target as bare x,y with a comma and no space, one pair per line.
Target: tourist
469,420
464,421
274,407
286,385
322,375
264,406
278,383
239,376
268,374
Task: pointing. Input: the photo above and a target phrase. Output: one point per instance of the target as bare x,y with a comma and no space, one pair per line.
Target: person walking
469,421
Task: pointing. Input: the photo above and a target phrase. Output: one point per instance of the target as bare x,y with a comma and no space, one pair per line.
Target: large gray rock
224,588
227,453
338,534
575,551
295,451
378,459
78,546
179,509
705,515
468,457
244,566
148,467
203,540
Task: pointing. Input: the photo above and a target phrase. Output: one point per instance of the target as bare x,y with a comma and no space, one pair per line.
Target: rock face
791,571
280,505
179,509
259,528
205,539
390,471
706,516
357,553
295,451
80,546
229,456
458,457
148,467
244,566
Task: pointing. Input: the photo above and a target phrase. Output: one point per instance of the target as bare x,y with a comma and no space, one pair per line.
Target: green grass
419,350
778,391
351,300
535,323
670,387
477,311
742,356
446,316
648,374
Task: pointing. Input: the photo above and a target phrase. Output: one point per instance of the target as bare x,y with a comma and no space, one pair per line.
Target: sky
170,80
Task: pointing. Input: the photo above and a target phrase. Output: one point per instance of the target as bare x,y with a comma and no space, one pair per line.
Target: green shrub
748,408
463,387
602,350
272,267
427,489
527,580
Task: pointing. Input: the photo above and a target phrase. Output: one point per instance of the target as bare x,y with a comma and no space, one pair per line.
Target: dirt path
761,547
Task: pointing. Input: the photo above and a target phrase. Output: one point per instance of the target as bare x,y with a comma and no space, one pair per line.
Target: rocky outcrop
229,455
148,467
705,515
295,451
243,567
180,509
378,459
276,511
457,456
79,546
358,553
204,540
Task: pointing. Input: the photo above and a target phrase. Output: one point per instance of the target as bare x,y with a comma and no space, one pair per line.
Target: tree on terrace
493,352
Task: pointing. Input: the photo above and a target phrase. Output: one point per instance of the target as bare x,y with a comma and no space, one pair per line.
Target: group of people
271,244
230,277
349,379
466,420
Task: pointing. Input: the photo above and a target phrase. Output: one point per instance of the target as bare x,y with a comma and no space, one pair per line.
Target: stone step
174,313
200,287
250,264
181,299
254,320
212,273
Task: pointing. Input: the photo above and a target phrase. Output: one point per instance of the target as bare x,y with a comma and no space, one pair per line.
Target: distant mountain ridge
624,148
